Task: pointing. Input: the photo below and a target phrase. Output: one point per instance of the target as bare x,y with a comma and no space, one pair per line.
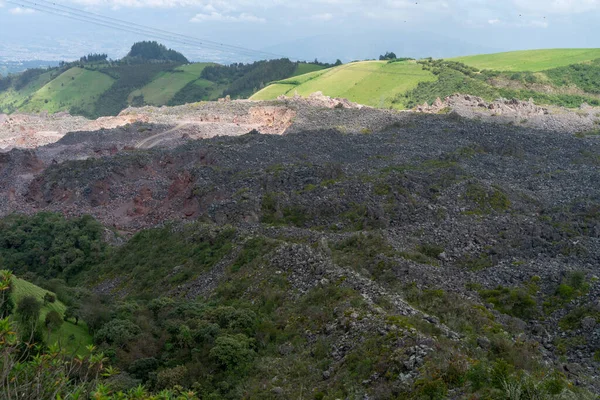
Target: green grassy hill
373,83
75,87
164,87
101,87
74,338
12,99
530,60
565,77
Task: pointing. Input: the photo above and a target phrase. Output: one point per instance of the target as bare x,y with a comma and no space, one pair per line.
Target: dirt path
153,140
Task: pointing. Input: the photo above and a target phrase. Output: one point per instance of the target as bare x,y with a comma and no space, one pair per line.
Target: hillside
567,77
365,253
74,338
150,74
530,60
372,83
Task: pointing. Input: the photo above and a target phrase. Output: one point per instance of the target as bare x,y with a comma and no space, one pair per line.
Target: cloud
215,16
494,21
322,17
21,11
557,6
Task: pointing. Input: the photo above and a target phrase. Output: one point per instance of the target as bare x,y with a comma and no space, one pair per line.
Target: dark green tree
28,310
53,321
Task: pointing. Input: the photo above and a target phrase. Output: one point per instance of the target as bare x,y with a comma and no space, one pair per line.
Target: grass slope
11,99
373,83
162,89
73,337
303,68
530,60
75,87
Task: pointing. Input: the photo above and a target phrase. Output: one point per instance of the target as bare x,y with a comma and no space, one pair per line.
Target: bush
516,302
28,310
117,332
53,321
172,377
232,352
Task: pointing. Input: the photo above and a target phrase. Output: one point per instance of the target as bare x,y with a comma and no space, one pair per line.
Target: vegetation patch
516,302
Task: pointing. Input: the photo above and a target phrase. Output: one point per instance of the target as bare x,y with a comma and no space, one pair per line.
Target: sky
301,29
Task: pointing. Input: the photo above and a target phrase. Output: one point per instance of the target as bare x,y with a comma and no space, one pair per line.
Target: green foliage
53,321
117,332
47,374
368,252
232,352
49,245
584,76
530,60
7,303
452,78
243,80
152,51
516,302
128,79
388,56
28,310
170,254
572,320
253,249
373,83
486,201
171,377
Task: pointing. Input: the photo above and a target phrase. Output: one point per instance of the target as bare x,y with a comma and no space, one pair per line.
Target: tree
155,51
388,56
27,373
232,351
49,298
53,321
7,303
28,310
72,312
338,62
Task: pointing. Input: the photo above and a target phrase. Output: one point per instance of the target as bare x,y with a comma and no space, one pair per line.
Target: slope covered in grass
530,60
12,99
73,337
162,88
372,83
75,87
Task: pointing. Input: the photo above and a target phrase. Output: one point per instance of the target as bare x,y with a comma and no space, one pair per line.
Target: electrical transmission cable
125,26
161,31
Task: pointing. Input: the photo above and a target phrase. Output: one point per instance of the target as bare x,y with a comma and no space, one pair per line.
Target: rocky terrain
517,112
502,216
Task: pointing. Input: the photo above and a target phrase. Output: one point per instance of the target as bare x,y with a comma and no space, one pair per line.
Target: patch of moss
486,201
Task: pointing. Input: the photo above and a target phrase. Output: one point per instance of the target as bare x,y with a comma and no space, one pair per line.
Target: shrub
28,310
49,298
516,302
117,332
232,352
53,321
171,377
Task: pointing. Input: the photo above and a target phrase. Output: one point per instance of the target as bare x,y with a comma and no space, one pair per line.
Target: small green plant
516,302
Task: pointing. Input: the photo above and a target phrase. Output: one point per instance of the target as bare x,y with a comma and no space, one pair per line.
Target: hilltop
150,74
153,75
564,77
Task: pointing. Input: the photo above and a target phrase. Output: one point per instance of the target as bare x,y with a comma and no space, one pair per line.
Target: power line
113,23
118,21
